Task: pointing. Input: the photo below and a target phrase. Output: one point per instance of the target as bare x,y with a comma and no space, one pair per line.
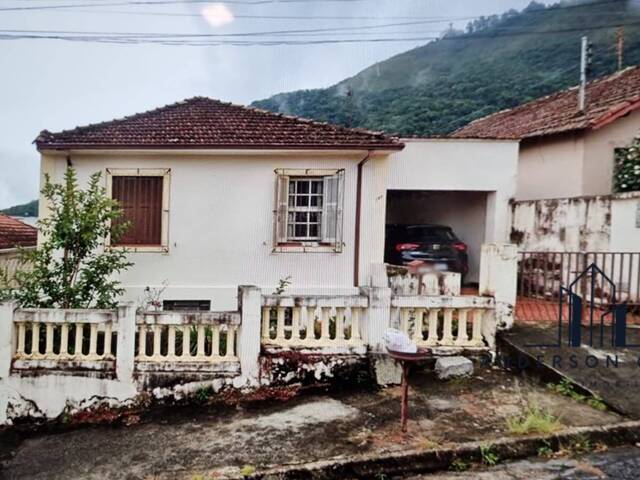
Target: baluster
48,352
404,320
304,321
35,340
447,334
340,325
186,342
394,321
355,325
266,323
93,341
417,333
77,350
231,342
201,338
171,342
311,319
280,325
107,340
476,334
64,340
215,341
324,326
21,340
432,337
157,338
463,337
142,341
295,324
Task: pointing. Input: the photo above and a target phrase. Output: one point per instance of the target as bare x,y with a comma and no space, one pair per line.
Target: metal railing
542,274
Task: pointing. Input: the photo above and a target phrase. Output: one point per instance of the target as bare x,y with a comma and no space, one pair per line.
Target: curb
425,461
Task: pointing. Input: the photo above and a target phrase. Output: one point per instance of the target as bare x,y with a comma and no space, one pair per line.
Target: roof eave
95,146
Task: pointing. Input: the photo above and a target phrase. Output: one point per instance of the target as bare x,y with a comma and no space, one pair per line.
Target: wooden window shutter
140,198
333,190
281,211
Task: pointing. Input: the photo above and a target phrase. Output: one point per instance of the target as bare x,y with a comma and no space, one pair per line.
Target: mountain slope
501,62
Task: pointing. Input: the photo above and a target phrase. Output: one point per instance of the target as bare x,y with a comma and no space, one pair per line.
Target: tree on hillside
73,267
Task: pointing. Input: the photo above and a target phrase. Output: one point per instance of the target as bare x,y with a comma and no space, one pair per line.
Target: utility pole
620,45
586,54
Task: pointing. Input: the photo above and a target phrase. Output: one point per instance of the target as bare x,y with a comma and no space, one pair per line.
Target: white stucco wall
461,165
573,165
550,167
221,222
625,215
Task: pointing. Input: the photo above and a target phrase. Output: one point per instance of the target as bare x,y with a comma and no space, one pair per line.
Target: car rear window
423,234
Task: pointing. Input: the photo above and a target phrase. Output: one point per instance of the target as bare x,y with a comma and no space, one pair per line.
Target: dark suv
435,245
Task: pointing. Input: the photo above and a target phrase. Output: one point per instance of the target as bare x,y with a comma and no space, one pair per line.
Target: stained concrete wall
565,224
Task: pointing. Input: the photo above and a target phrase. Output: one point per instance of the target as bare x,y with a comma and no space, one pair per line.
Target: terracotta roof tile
14,233
201,122
607,99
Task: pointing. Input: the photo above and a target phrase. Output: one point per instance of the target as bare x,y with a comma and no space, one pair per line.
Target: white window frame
165,173
308,209
282,242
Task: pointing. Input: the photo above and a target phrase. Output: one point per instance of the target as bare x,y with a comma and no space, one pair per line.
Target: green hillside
25,210
499,62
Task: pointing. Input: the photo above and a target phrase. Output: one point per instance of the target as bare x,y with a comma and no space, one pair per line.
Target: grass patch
566,389
533,420
489,456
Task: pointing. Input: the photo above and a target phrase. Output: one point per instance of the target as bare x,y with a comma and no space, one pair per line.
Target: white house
564,196
221,195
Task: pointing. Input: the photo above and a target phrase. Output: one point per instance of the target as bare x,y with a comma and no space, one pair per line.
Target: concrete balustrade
56,338
313,322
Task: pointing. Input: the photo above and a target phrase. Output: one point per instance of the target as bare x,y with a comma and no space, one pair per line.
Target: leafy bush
626,177
72,267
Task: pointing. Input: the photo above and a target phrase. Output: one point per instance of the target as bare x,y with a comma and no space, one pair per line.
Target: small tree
72,268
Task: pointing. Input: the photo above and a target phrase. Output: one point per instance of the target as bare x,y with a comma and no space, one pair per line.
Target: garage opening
464,212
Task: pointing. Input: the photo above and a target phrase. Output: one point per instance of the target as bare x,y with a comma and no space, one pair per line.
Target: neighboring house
14,234
564,198
221,195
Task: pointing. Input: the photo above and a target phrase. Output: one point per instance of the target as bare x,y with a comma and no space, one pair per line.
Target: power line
163,2
219,39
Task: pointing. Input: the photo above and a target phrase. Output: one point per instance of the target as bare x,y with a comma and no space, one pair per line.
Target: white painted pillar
126,341
250,304
378,316
6,354
499,279
6,337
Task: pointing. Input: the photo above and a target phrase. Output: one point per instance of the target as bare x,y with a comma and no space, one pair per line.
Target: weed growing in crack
458,465
566,389
533,420
489,456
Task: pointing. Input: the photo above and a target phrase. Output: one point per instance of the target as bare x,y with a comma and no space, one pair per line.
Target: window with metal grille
140,198
308,209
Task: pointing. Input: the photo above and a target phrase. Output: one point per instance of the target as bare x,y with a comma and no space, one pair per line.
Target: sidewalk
212,441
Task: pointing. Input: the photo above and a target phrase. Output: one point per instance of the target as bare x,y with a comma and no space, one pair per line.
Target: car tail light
461,247
406,246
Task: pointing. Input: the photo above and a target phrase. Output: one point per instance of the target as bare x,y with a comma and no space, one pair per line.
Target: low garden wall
55,361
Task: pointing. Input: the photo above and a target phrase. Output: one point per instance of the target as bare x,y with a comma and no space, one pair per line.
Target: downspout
356,253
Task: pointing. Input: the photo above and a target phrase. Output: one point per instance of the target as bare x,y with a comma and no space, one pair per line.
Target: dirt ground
206,442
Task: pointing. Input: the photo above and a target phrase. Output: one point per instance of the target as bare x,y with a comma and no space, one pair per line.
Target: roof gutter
356,253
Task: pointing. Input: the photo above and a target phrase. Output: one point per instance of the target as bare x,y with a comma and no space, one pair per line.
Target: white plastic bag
398,341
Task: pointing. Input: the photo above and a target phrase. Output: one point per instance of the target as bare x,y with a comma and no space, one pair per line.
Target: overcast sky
59,84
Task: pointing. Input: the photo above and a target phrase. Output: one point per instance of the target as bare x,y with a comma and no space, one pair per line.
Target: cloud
217,14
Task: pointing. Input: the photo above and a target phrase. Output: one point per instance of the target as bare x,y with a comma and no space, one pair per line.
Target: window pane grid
305,208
